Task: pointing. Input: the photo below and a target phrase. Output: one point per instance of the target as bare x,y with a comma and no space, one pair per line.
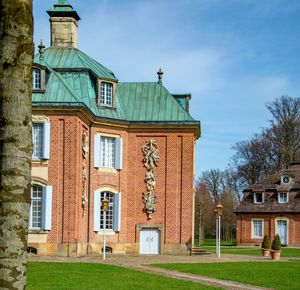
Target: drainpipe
89,189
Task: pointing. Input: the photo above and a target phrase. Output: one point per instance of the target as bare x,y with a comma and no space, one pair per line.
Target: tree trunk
16,53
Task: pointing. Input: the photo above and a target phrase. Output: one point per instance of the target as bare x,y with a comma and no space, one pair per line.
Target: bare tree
213,179
16,54
204,212
285,126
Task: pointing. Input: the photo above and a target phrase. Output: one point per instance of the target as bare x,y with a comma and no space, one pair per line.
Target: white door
282,231
149,241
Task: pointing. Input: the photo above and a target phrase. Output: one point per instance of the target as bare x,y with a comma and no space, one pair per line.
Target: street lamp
218,213
104,208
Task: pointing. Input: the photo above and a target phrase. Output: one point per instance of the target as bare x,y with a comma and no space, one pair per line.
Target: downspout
89,190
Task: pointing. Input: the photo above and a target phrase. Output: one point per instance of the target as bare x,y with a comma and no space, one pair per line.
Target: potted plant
276,247
266,246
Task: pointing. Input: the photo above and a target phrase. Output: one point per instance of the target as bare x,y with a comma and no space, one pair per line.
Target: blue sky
233,56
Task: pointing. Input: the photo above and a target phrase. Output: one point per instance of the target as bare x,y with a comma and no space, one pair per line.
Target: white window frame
101,156
44,153
45,208
36,78
255,198
106,94
287,197
32,199
115,205
253,236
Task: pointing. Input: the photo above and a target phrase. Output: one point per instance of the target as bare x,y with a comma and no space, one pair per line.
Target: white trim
287,197
254,197
287,227
262,228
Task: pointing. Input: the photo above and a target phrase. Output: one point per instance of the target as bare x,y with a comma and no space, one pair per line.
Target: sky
233,56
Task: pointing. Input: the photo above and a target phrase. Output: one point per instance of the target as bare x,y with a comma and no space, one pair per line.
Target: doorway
150,241
282,231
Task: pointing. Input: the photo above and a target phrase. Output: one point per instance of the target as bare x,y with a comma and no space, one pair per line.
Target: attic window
36,79
282,197
258,197
106,94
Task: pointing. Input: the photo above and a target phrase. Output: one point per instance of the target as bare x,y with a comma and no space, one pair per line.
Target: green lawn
227,248
253,251
277,275
43,276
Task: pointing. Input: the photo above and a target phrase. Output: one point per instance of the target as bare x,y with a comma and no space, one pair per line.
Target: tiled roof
72,79
270,188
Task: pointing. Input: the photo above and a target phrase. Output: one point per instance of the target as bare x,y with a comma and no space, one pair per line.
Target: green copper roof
63,9
150,101
72,79
72,58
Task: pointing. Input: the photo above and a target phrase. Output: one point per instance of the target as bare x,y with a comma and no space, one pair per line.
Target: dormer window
258,197
106,94
285,180
282,197
36,79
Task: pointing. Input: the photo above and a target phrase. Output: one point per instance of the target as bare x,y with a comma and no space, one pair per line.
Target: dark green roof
63,9
72,81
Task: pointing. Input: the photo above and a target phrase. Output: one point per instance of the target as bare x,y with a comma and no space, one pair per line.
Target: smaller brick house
271,207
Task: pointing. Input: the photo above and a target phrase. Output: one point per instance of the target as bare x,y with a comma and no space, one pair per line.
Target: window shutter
119,153
117,212
47,208
46,141
97,207
97,151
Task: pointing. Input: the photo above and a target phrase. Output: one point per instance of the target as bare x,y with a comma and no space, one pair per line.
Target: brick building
271,207
97,138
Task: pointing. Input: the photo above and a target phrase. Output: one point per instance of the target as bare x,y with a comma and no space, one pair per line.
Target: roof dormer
106,93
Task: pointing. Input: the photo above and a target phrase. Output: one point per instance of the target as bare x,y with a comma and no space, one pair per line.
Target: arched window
36,79
109,213
36,207
40,207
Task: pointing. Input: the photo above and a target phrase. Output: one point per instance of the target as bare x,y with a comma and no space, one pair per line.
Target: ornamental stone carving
85,153
150,151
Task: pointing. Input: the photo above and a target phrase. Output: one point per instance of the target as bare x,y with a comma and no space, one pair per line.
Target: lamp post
104,208
218,212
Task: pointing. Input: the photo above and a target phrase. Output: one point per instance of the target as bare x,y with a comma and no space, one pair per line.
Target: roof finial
160,74
41,50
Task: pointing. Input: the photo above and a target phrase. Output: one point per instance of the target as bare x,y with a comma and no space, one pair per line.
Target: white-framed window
257,228
282,197
108,152
40,207
109,213
258,197
106,94
113,214
36,79
41,140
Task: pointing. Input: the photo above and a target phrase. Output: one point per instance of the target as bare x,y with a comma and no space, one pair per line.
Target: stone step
199,251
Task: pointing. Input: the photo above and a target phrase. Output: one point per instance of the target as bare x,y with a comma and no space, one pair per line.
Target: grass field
56,276
228,248
277,275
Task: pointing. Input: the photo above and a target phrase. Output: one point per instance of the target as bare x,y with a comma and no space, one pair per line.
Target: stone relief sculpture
85,153
150,150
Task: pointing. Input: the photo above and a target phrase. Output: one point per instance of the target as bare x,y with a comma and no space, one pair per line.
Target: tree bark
16,54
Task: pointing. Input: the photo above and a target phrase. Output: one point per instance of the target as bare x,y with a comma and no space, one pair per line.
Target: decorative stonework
39,118
150,150
85,153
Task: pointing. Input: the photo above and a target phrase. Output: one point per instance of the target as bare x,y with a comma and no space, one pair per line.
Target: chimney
63,22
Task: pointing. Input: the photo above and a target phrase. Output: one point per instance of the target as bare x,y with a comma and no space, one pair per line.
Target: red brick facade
244,233
72,231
